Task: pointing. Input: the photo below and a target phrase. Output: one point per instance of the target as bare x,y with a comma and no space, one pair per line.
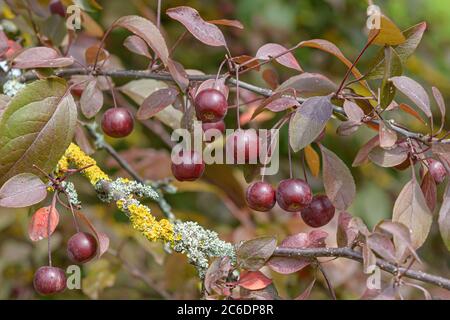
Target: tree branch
354,255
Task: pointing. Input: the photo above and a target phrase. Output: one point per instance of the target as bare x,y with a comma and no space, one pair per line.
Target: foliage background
217,200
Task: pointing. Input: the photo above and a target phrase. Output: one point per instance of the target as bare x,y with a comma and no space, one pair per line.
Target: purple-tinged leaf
229,23
413,37
441,104
369,259
95,52
282,103
271,78
414,91
156,102
346,233
388,158
353,111
254,280
363,153
82,140
38,227
204,31
382,246
429,190
253,254
136,45
148,32
411,209
338,180
178,73
309,85
444,218
40,57
347,128
91,100
285,265
284,57
309,121
4,46
217,274
387,136
22,190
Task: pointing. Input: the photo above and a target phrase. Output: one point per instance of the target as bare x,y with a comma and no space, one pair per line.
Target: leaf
40,57
91,54
136,45
229,23
369,259
411,111
271,78
156,102
38,227
309,85
309,121
378,66
331,48
382,246
444,218
353,111
102,238
287,265
393,67
91,100
204,31
441,104
313,160
365,150
305,294
411,209
22,190
148,32
277,102
389,33
284,57
388,137
37,127
347,128
178,73
216,274
338,180
4,45
388,158
253,254
413,37
346,232
413,91
429,190
254,280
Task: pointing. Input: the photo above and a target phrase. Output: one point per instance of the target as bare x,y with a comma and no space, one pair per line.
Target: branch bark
354,255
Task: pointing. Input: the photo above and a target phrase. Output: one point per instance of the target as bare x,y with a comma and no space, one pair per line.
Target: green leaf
389,33
36,128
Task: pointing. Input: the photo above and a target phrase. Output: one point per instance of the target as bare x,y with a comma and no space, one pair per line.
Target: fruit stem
304,167
49,220
113,94
237,97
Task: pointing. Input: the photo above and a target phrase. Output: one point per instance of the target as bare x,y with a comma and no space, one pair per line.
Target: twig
354,255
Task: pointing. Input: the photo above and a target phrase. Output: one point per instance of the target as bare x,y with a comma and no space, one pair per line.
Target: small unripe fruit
319,212
244,145
293,195
190,168
210,105
260,196
81,247
56,7
49,280
117,122
437,170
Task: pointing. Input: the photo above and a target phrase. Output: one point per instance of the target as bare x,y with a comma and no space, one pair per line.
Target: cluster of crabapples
81,248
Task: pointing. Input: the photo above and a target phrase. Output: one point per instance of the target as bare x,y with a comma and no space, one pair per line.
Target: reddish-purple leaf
346,233
282,103
444,218
348,128
178,73
156,102
228,23
284,57
38,227
22,190
353,111
363,153
91,100
253,254
309,85
136,45
284,265
254,280
148,32
308,121
271,78
414,91
204,31
102,238
40,57
441,104
337,179
82,140
382,246
429,190
387,136
388,158
4,46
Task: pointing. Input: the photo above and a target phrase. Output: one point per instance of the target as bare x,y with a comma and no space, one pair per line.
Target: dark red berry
189,168
260,196
117,122
244,146
219,125
293,195
81,247
437,170
49,280
210,105
56,7
319,212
